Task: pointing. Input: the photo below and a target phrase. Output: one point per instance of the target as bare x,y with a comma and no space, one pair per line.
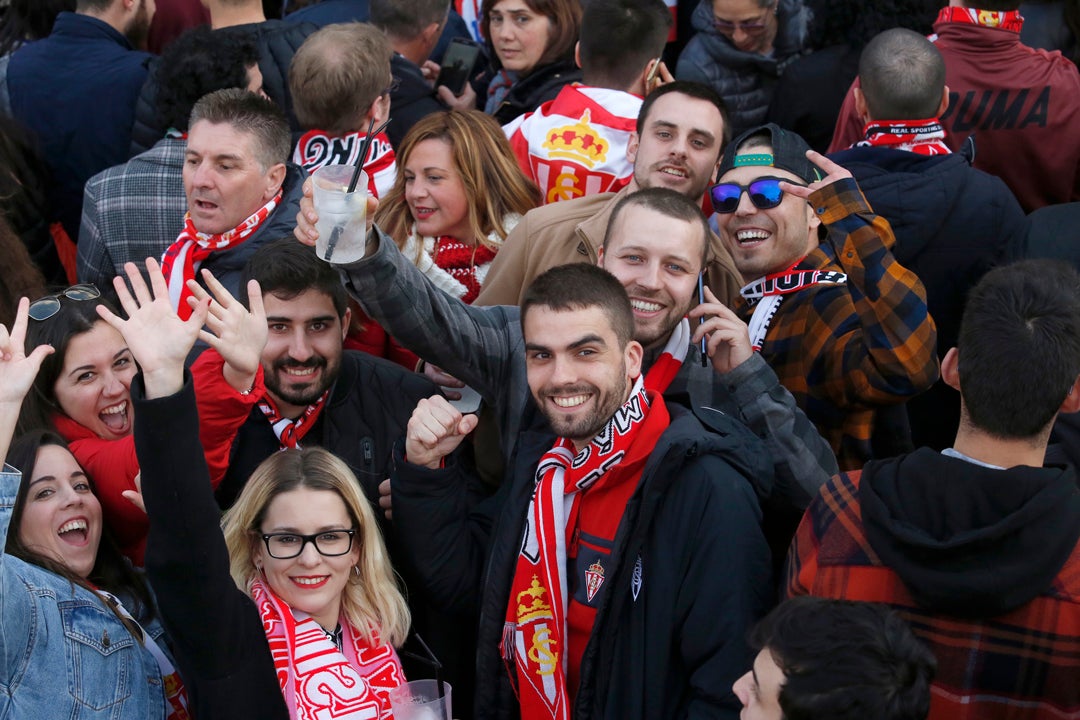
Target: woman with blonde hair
458,193
287,606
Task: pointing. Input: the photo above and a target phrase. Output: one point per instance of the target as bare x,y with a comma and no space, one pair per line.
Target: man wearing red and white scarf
626,558
340,83
952,222
240,190
1018,103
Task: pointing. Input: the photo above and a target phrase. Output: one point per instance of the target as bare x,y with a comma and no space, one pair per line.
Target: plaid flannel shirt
841,350
1024,664
131,212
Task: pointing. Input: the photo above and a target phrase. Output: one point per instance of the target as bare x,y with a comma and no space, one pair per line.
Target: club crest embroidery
594,578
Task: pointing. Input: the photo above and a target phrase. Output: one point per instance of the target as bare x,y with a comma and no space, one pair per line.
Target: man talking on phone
575,145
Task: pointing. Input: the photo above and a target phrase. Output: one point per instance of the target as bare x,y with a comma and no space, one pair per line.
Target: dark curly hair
198,63
855,22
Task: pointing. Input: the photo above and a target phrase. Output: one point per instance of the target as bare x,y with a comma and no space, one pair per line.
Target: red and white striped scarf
535,633
318,680
924,137
768,292
182,259
1010,20
290,432
460,261
316,148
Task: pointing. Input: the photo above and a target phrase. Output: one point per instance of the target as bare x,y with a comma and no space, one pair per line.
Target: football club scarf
535,631
319,680
317,148
924,137
1010,20
666,367
290,432
461,262
768,292
182,259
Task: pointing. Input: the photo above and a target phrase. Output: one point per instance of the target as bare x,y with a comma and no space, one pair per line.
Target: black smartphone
457,65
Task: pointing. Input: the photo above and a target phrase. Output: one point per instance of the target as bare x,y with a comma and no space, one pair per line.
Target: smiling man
681,131
241,191
842,323
624,529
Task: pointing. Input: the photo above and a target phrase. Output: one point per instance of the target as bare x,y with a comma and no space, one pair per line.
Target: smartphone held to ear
458,63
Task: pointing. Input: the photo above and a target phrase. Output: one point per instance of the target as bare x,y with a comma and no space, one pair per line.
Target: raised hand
833,173
231,329
155,334
435,430
305,230
17,372
728,341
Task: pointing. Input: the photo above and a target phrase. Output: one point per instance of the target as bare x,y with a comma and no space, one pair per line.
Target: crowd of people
770,310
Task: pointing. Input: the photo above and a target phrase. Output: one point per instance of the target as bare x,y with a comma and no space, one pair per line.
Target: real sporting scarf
290,432
766,294
318,680
666,367
460,273
1010,20
317,148
535,631
182,259
923,137
460,262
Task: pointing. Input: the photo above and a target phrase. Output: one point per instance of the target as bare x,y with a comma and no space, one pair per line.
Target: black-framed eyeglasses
328,543
45,307
765,193
750,27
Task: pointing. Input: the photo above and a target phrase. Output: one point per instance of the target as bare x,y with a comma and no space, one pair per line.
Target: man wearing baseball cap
842,323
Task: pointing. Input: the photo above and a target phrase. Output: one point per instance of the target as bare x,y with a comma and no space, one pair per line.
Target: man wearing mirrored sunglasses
842,323
740,49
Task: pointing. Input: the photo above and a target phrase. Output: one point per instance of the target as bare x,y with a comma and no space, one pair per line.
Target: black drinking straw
429,660
365,146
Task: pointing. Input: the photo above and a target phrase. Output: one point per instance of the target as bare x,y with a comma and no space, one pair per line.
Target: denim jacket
63,653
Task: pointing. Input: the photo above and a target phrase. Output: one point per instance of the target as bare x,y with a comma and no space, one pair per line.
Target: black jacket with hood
691,571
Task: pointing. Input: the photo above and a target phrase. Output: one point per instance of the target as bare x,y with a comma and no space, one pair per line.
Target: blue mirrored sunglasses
765,193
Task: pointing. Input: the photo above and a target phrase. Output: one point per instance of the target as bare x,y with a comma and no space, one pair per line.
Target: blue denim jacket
63,653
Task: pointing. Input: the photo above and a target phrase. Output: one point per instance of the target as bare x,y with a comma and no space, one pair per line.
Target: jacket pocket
100,655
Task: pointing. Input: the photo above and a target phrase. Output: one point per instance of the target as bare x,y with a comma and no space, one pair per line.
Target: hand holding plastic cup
420,700
342,234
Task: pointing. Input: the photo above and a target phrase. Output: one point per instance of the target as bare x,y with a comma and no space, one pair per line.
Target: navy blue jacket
952,223
77,90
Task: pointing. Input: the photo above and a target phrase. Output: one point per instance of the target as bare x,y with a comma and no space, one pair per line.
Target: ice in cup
419,700
341,214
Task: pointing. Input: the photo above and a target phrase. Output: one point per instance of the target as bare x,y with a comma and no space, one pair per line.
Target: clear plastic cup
342,235
419,700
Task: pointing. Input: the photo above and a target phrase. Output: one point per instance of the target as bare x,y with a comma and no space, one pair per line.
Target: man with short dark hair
1019,104
77,89
842,323
952,222
835,660
621,534
575,145
680,132
241,191
340,82
978,545
739,50
134,210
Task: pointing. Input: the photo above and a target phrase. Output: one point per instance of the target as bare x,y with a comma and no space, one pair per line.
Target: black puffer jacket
277,42
533,90
744,80
690,572
952,223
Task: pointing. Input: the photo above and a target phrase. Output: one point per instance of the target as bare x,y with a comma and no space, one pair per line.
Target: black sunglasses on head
765,193
44,308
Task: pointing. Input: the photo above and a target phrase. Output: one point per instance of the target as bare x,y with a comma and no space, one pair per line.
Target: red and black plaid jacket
841,350
1024,664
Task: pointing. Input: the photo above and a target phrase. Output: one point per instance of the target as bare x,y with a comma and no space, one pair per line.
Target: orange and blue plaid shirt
843,349
1023,665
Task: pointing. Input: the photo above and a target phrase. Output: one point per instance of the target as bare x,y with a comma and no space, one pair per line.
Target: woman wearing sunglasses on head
81,633
293,611
82,391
